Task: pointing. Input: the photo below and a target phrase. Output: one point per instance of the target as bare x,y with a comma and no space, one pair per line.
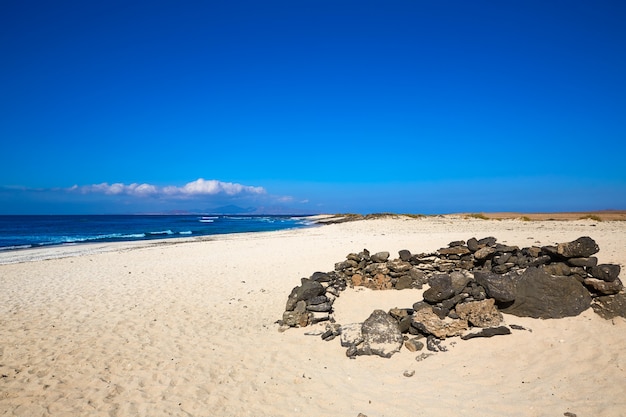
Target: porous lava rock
610,306
381,335
480,313
427,322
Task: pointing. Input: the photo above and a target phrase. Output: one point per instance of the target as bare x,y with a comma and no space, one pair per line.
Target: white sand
188,329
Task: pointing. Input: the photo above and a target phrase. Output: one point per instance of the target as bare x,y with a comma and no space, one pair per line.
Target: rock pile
312,301
469,285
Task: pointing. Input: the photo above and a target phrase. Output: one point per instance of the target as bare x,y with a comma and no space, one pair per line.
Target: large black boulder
541,295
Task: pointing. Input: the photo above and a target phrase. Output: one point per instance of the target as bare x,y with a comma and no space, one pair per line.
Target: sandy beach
188,328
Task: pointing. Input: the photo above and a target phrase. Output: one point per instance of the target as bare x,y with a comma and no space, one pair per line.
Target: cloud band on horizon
199,187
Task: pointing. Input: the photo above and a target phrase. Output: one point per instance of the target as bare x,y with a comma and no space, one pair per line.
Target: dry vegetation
605,215
598,216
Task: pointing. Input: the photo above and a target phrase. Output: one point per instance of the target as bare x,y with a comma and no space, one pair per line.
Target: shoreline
61,251
58,251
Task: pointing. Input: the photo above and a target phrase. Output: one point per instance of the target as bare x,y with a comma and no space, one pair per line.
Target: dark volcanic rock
317,300
544,259
605,272
590,261
434,345
307,290
380,257
405,324
506,248
488,241
459,280
579,248
557,268
323,307
604,287
404,282
440,311
472,244
451,302
298,317
484,253
501,269
476,291
550,250
540,295
405,255
341,266
320,277
500,287
489,332
381,335
419,277
610,306
440,288
502,259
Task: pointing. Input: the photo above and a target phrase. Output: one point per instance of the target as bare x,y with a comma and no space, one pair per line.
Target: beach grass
480,216
593,217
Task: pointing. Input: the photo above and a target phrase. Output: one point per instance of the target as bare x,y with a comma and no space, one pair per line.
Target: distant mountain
236,210
231,209
281,210
269,210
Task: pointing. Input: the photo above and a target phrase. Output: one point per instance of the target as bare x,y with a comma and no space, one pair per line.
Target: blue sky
312,105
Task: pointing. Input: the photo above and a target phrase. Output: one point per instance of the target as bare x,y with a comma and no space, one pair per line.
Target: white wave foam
16,247
79,239
163,232
136,235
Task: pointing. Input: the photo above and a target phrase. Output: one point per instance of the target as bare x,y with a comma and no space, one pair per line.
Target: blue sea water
20,232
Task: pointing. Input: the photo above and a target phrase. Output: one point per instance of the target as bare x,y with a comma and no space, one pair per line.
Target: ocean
21,232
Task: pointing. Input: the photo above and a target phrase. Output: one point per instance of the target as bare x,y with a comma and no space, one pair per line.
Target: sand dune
188,329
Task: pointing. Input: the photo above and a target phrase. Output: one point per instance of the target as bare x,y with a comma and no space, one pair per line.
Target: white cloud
210,187
198,187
